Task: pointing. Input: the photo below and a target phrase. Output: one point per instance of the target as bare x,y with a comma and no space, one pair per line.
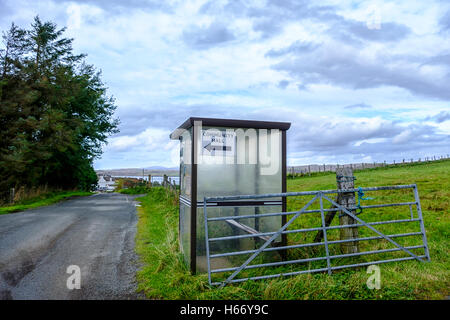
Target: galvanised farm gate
417,251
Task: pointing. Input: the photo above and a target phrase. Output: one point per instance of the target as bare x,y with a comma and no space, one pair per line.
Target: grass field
165,276
135,190
42,200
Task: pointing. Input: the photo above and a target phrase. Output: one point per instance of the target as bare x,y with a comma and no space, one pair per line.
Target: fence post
345,180
12,194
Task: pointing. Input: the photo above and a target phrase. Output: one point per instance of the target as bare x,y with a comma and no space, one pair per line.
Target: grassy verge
165,276
43,200
135,190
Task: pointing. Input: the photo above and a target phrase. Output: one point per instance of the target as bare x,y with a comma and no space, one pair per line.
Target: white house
106,183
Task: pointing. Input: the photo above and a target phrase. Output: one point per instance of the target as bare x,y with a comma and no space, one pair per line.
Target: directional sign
217,142
210,147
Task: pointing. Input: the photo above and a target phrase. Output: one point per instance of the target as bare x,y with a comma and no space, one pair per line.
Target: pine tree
55,113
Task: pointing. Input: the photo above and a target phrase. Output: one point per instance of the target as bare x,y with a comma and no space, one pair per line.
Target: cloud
207,37
120,5
352,69
351,31
283,84
150,139
136,119
349,139
269,18
267,27
330,134
359,106
440,117
5,8
413,132
297,47
445,21
440,59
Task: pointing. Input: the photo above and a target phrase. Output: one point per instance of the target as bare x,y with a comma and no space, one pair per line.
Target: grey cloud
283,84
5,8
387,32
267,27
445,21
346,28
339,141
440,117
234,8
278,13
120,5
388,150
135,119
270,19
205,38
301,87
297,47
323,135
295,10
331,66
358,106
442,59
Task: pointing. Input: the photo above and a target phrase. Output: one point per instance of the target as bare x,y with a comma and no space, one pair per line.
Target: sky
360,81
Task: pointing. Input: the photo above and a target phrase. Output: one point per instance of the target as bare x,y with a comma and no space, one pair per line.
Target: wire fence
312,168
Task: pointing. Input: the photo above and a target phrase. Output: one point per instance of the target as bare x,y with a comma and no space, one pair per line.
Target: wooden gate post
345,180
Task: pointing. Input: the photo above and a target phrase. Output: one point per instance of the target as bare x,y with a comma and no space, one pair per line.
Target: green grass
165,276
135,190
43,200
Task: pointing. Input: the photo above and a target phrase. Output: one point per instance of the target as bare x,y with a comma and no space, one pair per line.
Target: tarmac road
95,233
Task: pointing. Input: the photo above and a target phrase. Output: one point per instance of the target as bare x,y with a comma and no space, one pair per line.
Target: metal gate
320,196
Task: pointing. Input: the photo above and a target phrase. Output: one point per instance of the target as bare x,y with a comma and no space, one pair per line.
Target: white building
106,183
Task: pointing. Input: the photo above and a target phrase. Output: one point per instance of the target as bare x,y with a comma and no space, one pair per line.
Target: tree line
55,113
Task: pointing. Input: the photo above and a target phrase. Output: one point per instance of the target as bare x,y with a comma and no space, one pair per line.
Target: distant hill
161,168
131,172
